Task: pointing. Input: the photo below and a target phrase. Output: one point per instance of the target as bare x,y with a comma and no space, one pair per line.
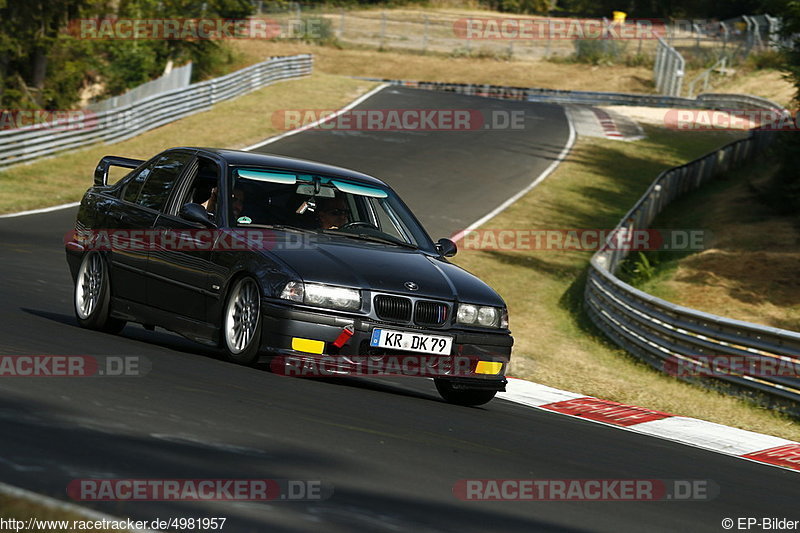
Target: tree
42,65
784,191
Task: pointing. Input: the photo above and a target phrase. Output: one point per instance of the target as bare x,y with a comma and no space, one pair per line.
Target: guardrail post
425,36
383,29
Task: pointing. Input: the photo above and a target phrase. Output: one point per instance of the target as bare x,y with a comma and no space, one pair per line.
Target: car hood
385,268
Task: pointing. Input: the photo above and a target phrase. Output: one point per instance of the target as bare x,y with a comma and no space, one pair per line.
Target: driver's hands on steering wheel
358,224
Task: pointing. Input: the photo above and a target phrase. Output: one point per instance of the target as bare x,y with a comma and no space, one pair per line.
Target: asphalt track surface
391,449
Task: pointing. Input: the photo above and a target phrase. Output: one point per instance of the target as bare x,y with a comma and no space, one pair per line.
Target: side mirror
446,247
196,213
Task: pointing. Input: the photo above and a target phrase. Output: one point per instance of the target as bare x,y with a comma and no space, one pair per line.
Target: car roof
240,158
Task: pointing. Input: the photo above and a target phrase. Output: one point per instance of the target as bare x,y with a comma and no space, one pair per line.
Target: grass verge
232,124
749,265
354,61
555,344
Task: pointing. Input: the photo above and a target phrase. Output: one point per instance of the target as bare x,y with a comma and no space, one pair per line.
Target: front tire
92,296
241,322
467,397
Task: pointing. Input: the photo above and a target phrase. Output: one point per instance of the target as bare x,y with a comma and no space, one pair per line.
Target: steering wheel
359,224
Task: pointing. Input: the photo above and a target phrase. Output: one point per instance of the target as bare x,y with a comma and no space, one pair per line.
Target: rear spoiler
101,172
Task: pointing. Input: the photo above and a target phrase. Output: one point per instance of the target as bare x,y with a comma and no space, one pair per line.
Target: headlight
485,316
293,291
322,295
467,314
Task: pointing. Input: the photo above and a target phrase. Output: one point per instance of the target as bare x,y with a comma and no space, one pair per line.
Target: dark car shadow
175,342
49,315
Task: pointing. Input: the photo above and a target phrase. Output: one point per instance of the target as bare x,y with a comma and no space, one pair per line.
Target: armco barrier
675,339
556,96
26,144
746,359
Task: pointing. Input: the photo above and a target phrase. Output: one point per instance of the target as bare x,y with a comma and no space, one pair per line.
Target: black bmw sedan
317,269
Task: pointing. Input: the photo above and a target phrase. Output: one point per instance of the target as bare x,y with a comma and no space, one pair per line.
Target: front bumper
285,329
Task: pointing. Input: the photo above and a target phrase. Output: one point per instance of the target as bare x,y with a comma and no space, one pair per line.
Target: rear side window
131,191
161,179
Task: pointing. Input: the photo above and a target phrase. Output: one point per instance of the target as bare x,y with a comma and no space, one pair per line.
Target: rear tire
92,296
467,397
241,322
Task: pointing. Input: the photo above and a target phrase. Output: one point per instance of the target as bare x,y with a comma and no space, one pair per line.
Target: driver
332,213
237,202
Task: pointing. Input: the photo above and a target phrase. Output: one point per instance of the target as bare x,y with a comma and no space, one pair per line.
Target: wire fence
444,32
668,70
670,46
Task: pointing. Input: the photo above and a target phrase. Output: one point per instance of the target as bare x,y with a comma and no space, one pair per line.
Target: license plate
411,342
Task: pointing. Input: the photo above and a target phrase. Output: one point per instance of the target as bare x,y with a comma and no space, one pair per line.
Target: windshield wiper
367,237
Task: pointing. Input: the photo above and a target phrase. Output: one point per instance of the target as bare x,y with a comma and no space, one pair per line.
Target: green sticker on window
244,220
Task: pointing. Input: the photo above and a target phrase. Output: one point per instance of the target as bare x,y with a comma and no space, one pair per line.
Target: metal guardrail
556,96
684,342
177,78
705,76
674,339
120,123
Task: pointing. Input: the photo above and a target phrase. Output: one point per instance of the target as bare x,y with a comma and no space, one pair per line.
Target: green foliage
44,62
766,59
639,60
673,8
524,6
69,57
783,193
498,54
315,29
126,66
599,51
637,269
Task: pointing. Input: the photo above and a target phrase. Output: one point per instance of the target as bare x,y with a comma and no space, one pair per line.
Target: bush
782,192
599,52
639,60
766,59
314,29
498,54
637,269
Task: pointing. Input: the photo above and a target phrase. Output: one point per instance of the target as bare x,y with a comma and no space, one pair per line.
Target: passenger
332,213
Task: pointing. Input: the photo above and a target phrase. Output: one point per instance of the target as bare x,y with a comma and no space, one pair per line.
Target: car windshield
320,204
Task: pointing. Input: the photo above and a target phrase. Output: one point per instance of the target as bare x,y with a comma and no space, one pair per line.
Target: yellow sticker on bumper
488,367
307,345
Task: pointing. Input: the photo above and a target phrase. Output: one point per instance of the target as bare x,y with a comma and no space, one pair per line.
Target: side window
161,180
198,186
131,191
